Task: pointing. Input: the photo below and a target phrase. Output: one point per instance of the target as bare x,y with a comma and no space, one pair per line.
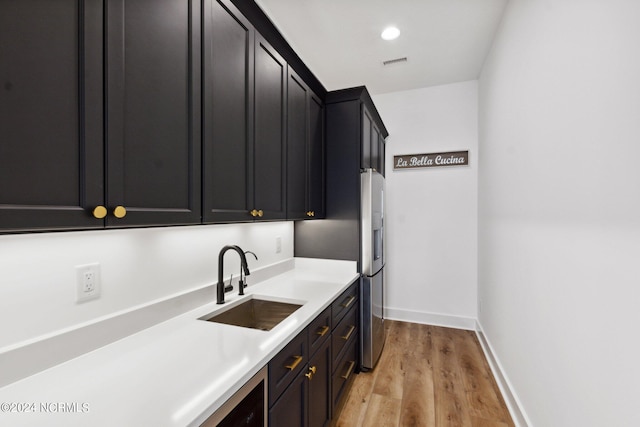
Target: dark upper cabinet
228,113
316,154
51,117
365,157
153,111
352,123
244,113
372,142
122,113
100,108
305,147
269,150
297,143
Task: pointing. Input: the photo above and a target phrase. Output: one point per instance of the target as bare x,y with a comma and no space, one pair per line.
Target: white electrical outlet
278,244
88,282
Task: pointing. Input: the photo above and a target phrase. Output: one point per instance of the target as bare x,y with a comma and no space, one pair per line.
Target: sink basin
255,313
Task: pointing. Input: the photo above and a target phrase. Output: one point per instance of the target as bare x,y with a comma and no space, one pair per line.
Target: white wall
431,218
559,209
139,266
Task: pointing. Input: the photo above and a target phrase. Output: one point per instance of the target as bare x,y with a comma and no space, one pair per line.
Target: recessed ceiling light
390,33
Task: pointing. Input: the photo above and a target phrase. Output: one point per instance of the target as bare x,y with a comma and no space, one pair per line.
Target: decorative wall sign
431,160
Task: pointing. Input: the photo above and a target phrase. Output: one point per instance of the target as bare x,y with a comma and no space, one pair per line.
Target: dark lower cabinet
345,345
343,375
291,410
306,402
319,375
309,378
100,114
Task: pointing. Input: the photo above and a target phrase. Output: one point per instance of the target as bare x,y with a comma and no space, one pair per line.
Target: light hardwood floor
427,376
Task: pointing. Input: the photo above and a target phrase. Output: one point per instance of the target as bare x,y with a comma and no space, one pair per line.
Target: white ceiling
445,41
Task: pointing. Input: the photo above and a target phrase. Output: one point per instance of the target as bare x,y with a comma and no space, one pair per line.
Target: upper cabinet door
51,173
375,147
297,146
367,123
269,132
153,111
228,113
305,151
316,153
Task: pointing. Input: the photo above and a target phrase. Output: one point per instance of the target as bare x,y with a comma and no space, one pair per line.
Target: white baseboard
514,405
446,320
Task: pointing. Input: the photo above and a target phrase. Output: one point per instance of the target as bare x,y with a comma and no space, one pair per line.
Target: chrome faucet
220,284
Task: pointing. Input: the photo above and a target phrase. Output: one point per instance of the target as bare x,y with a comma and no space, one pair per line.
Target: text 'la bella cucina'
429,161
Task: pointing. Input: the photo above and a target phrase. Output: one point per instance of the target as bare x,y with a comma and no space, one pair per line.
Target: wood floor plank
391,366
450,398
418,408
383,411
355,408
482,422
481,389
427,376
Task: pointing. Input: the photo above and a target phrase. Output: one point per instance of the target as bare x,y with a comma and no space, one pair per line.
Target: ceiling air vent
395,61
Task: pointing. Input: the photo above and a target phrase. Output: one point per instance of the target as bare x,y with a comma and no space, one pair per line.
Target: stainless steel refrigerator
372,285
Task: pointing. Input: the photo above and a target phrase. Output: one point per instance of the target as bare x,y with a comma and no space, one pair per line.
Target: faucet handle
229,287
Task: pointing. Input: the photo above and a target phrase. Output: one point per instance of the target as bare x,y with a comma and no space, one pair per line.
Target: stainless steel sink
255,313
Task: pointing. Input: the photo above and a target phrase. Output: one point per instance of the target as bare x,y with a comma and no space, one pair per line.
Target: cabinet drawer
344,373
319,330
346,330
286,365
344,302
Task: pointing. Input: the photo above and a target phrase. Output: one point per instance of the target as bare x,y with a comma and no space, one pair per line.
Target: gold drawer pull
346,376
348,334
312,371
323,331
295,363
99,212
349,302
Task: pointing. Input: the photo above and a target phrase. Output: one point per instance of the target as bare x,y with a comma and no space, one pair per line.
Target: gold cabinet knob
254,213
308,213
99,212
260,213
313,213
119,212
312,371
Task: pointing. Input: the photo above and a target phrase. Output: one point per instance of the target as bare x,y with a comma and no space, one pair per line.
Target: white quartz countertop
177,372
